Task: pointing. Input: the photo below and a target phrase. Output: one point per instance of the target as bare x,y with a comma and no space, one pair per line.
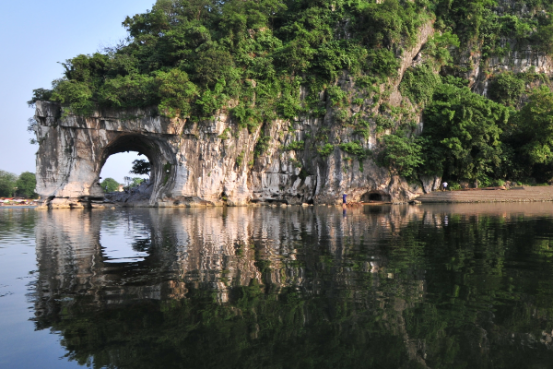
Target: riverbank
17,202
518,194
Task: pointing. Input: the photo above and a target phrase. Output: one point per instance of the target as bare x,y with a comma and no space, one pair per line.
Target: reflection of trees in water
252,288
20,222
476,301
142,245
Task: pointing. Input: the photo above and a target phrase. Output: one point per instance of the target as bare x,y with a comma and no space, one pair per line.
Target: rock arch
73,150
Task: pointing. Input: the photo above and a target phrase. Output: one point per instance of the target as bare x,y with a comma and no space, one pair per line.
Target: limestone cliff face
518,56
202,161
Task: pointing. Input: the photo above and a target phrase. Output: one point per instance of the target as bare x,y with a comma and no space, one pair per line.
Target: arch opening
375,196
124,172
150,175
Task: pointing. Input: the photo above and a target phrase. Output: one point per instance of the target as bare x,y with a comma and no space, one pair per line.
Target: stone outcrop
214,161
518,57
191,161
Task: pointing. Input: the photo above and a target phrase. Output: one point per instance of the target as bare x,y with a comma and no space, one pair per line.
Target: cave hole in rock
129,167
375,196
119,173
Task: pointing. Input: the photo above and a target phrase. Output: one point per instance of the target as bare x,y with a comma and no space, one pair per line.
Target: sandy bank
520,194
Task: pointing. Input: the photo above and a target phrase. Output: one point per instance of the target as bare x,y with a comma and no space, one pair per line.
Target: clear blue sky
35,35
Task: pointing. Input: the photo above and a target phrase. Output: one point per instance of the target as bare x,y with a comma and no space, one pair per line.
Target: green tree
109,185
419,83
535,124
506,88
462,133
533,134
135,182
140,166
7,183
26,184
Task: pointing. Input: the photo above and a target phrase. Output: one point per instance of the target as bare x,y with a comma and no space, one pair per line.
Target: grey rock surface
197,161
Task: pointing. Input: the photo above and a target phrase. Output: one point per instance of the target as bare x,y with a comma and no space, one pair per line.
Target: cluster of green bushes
22,185
189,58
109,185
493,24
470,137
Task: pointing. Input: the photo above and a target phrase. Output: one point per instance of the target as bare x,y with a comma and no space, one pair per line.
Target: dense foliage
528,140
189,58
140,166
463,131
7,183
26,184
109,185
22,186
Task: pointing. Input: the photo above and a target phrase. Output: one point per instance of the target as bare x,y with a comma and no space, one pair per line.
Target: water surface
434,286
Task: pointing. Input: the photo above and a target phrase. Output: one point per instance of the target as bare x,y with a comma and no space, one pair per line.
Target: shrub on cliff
506,88
528,139
190,57
402,154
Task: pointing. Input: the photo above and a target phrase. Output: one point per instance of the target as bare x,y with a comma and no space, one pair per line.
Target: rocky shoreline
518,194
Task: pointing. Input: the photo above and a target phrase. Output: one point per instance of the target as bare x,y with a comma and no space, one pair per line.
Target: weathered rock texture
518,56
198,161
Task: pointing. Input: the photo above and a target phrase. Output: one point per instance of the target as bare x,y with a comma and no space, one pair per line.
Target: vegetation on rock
192,58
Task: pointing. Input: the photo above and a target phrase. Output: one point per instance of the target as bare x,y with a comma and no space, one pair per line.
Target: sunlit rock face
201,161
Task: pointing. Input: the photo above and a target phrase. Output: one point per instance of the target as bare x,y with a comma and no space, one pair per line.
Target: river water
429,286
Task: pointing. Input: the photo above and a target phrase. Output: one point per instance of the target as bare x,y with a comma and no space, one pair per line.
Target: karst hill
237,102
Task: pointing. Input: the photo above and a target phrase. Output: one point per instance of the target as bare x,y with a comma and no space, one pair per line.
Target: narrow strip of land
519,194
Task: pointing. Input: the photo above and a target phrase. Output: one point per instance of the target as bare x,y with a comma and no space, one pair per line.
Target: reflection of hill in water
305,287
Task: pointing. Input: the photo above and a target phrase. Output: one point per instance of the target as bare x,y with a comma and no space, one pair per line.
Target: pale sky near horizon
35,35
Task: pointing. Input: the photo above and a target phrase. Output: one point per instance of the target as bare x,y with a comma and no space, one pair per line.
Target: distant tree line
111,185
23,185
140,166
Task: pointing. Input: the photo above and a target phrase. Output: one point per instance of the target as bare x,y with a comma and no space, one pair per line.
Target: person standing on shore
444,185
